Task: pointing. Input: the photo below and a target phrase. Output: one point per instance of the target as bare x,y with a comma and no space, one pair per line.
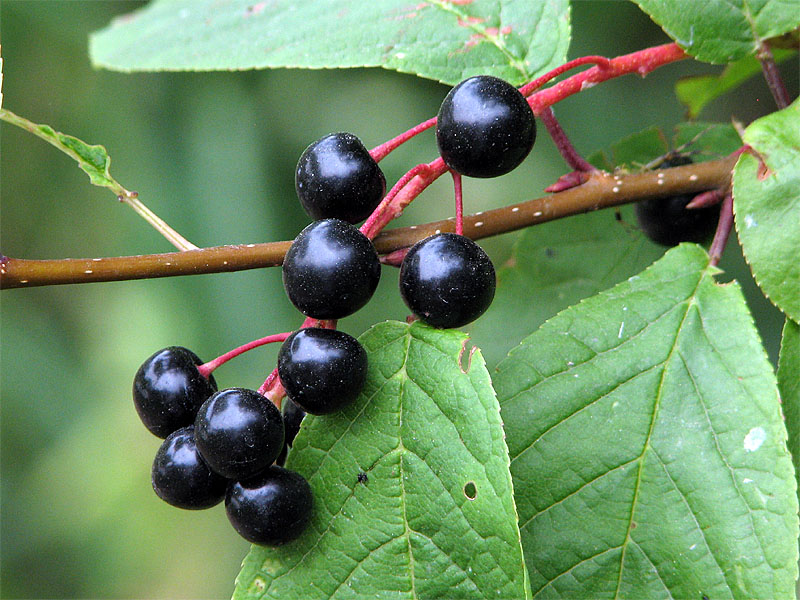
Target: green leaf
93,160
549,271
639,148
647,446
437,39
697,91
427,435
722,31
706,141
767,207
789,386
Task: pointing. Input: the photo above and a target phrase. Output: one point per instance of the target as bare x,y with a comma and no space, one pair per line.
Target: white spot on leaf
749,221
754,438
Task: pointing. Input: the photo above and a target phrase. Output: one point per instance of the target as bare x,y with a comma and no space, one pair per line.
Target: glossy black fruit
331,270
168,390
485,127
181,477
239,432
292,417
270,509
337,178
447,280
322,370
668,222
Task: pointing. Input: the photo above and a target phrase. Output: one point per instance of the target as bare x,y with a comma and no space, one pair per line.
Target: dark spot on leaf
549,252
362,477
470,491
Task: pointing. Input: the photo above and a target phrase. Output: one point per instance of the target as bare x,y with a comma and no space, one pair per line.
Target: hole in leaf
461,356
470,491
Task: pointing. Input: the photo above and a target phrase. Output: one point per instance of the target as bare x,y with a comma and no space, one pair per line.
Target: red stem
641,62
723,230
565,147
459,203
773,77
380,152
208,368
417,179
388,209
601,62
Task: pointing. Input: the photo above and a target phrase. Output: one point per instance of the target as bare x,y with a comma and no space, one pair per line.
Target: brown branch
602,190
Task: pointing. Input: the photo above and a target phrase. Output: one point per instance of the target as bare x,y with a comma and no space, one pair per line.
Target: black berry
239,432
181,477
168,390
485,127
337,178
331,270
447,280
292,417
322,370
270,509
668,222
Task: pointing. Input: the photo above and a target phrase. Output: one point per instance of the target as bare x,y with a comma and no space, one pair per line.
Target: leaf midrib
690,301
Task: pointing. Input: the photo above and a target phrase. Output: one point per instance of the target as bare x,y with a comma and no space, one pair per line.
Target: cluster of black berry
228,444
485,128
221,444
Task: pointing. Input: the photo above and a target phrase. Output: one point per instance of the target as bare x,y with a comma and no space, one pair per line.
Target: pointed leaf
438,39
548,271
647,445
435,515
767,206
721,31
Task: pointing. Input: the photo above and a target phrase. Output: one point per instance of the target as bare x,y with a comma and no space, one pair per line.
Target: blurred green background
213,154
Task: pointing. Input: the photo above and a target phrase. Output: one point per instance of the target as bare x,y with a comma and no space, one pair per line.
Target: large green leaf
721,31
435,516
647,446
439,39
767,207
697,91
789,386
548,271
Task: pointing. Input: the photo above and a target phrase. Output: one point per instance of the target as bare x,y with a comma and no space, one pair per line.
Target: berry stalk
640,62
459,203
564,145
379,152
207,368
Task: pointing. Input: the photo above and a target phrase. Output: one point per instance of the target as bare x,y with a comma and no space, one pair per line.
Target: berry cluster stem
209,367
564,145
459,203
380,152
640,62
408,187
